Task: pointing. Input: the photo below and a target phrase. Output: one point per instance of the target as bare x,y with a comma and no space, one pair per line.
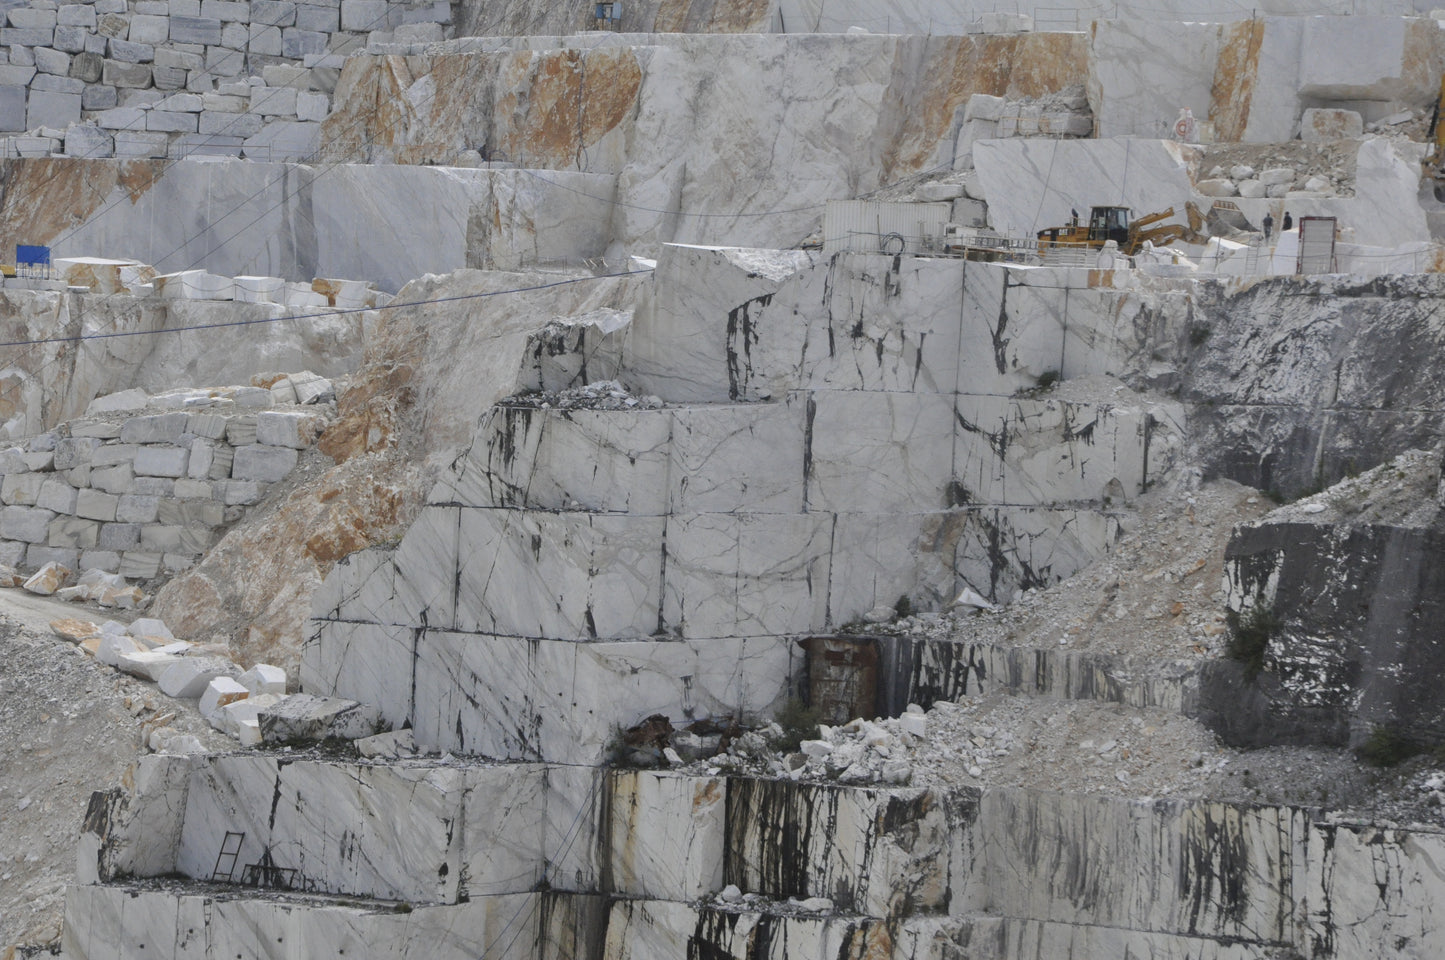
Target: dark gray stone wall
1361,642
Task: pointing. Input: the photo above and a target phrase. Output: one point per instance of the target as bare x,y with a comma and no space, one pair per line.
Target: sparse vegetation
1046,381
1388,746
1199,334
798,721
1249,637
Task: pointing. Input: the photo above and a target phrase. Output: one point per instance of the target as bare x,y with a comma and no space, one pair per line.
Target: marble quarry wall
927,17
434,362
867,110
663,126
1349,636
298,222
904,872
851,430
822,438
1253,79
1295,384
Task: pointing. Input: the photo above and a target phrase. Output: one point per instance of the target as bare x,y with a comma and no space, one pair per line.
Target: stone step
180,921
1050,868
443,832
822,450
578,575
721,329
534,699
177,921
926,671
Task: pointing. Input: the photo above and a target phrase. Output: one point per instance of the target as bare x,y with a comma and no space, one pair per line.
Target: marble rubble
230,700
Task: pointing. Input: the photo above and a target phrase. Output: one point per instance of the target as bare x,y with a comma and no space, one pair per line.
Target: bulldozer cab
1109,223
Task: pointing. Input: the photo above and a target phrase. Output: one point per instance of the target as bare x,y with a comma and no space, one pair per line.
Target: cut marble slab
561,575
357,829
528,699
306,717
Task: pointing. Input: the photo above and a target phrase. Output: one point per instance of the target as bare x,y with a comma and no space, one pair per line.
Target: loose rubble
72,723
230,700
1292,169
602,395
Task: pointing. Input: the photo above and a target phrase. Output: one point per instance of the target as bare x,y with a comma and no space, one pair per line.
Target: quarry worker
1288,222
1268,226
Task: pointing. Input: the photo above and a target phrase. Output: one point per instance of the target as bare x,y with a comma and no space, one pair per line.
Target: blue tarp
31,255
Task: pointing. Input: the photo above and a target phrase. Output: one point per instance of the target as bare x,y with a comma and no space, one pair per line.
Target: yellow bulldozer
1111,223
1435,159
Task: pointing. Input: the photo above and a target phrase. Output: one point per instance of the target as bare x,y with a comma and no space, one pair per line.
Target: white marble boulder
306,717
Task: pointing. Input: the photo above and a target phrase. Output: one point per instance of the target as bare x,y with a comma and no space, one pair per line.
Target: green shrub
1249,637
1388,746
799,722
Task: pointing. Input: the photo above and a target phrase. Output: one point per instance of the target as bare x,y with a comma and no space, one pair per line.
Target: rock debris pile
602,395
231,699
1295,169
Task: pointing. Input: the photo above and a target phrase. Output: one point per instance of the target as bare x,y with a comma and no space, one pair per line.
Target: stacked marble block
842,434
145,495
636,864
987,117
106,276
150,76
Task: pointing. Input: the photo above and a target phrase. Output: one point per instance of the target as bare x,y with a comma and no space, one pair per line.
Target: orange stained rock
46,196
722,16
709,793
74,629
1235,75
870,942
956,68
367,420
567,101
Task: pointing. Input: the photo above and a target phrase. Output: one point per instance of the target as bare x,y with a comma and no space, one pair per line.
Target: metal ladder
229,851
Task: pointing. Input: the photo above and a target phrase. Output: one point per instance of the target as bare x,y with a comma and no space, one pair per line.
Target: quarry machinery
1435,160
1111,223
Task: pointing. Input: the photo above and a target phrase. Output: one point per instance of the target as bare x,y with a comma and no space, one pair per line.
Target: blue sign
33,256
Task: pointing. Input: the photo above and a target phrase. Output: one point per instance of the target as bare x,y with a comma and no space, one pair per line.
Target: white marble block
260,289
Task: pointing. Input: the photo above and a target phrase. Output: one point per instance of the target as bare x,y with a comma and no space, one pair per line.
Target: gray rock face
1357,613
999,872
1294,402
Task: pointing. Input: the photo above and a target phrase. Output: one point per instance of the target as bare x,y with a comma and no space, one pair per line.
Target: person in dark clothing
1288,222
1268,226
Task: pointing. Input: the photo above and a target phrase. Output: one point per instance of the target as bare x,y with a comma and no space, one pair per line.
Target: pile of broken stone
858,752
230,699
1242,180
602,395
